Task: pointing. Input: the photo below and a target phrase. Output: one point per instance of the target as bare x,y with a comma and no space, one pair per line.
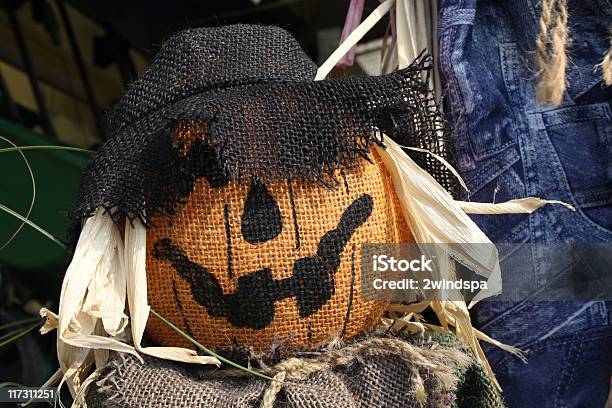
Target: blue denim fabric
507,145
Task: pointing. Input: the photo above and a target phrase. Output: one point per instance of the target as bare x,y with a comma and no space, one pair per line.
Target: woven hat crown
204,59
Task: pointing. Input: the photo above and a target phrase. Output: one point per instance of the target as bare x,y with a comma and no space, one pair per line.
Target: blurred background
63,64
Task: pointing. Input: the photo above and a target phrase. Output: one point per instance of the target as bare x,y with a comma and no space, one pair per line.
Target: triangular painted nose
261,219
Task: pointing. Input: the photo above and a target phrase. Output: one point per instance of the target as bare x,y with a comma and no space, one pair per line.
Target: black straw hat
251,90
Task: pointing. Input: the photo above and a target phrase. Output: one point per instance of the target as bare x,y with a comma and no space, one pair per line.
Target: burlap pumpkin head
248,264
258,185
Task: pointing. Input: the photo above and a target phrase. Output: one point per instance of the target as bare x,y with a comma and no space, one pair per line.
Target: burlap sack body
234,264
436,372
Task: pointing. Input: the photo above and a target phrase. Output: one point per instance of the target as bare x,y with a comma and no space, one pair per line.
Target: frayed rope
551,53
439,363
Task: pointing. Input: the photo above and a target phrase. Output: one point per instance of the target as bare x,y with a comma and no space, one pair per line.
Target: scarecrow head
258,185
252,263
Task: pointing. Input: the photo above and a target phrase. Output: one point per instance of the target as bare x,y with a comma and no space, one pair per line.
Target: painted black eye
202,162
261,219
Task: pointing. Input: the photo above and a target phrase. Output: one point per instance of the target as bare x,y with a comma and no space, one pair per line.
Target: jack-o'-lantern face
256,263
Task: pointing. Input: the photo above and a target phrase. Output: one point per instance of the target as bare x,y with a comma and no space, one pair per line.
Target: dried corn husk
92,318
435,218
416,26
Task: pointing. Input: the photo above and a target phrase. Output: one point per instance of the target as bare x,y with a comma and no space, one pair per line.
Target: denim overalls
507,145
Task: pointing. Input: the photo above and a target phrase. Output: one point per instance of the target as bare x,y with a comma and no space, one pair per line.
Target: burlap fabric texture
373,372
250,264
